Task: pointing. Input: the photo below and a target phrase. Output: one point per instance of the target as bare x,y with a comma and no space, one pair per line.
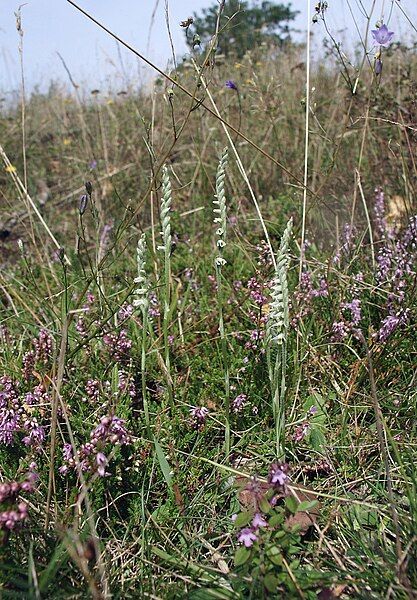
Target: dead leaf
331,594
179,500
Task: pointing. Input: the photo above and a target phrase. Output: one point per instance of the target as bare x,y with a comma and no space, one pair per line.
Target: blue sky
52,26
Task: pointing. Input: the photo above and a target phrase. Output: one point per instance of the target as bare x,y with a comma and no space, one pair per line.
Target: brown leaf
302,518
179,500
331,594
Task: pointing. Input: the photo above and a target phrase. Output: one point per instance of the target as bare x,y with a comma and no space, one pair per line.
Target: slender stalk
306,141
19,28
220,219
276,340
141,301
166,201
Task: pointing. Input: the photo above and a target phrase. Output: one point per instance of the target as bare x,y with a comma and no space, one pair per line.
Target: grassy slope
161,518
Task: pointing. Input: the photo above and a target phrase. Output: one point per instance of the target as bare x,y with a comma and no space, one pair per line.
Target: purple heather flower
199,415
382,36
340,330
378,66
101,461
390,324
93,164
231,85
247,537
355,310
67,451
259,521
239,402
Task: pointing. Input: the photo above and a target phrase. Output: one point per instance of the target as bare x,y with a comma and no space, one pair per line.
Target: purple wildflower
231,85
36,434
355,310
118,345
247,537
340,330
390,324
102,462
199,415
382,36
29,360
239,402
259,521
44,345
92,389
278,474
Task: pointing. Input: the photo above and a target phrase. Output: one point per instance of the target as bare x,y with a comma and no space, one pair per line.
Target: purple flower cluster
126,384
199,415
11,411
381,225
278,476
258,313
125,312
110,431
43,346
238,404
41,352
16,414
340,330
249,535
231,85
92,389
354,307
36,434
118,345
306,294
264,254
390,324
13,514
396,271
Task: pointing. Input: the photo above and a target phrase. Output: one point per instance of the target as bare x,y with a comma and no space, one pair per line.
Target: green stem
226,366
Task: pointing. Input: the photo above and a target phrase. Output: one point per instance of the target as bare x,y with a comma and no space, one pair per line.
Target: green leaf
316,438
307,505
265,506
271,582
275,555
163,463
292,504
47,576
242,554
243,518
276,520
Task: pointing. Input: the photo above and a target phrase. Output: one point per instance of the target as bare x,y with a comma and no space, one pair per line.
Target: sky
92,57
